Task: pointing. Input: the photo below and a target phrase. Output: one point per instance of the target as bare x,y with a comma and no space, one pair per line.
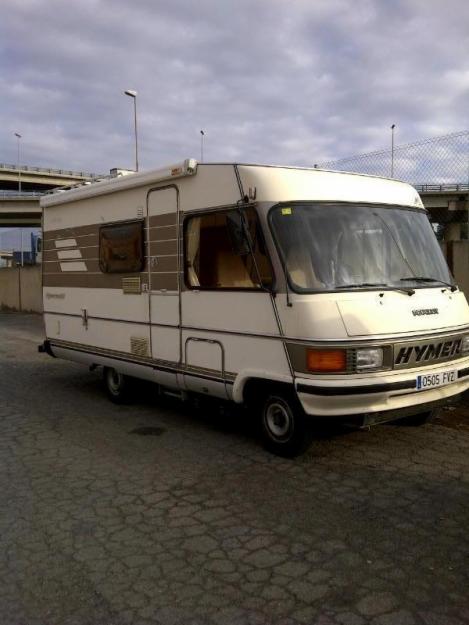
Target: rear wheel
283,425
118,386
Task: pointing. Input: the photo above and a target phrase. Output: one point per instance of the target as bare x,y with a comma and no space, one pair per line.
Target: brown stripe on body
163,248
86,240
164,264
84,279
163,234
71,232
168,281
167,219
56,267
86,253
92,266
163,227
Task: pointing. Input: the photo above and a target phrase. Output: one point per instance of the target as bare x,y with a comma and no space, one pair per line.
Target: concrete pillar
452,232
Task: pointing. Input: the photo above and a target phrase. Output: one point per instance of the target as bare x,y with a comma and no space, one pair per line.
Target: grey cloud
297,82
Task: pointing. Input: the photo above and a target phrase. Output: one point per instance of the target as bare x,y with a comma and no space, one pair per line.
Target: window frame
226,209
125,222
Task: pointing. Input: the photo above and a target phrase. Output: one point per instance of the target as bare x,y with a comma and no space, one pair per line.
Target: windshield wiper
425,279
362,284
373,284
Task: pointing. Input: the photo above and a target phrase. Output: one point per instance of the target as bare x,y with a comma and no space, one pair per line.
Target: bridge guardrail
429,188
48,170
24,195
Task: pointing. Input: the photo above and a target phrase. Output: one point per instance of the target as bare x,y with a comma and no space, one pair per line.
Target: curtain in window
192,250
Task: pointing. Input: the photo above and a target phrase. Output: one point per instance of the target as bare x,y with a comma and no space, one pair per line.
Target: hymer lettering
404,355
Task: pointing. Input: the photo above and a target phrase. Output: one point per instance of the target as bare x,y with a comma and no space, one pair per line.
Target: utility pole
392,150
202,135
133,95
18,137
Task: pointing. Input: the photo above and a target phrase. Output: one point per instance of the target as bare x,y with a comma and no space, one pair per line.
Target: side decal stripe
146,362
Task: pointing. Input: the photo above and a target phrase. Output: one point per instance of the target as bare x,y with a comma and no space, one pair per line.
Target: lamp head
17,135
131,93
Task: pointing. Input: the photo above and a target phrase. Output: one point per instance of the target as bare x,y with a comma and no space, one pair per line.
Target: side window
214,257
121,248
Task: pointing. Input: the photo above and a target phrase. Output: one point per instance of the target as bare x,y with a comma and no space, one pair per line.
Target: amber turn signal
326,360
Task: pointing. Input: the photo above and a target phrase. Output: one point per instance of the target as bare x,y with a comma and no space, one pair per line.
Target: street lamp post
18,137
202,135
392,150
133,95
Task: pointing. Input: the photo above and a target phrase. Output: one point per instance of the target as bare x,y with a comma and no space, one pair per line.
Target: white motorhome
304,293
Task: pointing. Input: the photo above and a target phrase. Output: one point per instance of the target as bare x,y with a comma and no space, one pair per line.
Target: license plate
431,380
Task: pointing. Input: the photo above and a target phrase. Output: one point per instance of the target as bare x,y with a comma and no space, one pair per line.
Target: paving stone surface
198,525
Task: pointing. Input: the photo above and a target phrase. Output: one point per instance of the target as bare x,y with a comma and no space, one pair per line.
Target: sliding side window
121,248
217,252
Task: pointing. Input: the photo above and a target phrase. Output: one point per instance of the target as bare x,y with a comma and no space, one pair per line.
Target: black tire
119,387
284,425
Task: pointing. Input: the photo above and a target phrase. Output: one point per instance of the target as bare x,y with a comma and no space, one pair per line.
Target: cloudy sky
280,81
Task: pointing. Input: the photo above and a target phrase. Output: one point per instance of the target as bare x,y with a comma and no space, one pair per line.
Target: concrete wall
458,258
21,289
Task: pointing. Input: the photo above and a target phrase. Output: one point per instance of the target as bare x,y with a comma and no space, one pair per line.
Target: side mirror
237,233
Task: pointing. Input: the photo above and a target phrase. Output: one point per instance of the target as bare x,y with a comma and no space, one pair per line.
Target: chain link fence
434,165
438,161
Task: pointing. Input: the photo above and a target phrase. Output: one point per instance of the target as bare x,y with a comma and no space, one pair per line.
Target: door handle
84,318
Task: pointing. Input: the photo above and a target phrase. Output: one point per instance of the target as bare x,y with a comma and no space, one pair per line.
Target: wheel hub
278,420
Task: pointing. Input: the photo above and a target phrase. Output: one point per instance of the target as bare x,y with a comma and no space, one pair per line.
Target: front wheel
284,427
118,386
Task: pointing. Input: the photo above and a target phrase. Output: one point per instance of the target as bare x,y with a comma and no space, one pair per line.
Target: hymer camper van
302,293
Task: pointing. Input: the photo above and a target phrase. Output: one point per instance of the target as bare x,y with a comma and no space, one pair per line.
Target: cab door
228,319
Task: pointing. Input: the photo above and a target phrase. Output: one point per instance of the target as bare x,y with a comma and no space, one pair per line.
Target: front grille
411,354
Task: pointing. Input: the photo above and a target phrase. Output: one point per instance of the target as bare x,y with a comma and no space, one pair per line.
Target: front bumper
396,391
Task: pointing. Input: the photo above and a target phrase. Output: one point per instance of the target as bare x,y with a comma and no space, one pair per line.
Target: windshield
340,246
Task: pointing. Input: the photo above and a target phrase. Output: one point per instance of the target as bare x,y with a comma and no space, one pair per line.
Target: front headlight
465,344
371,358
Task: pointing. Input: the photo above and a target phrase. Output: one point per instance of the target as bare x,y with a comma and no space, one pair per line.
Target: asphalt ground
163,513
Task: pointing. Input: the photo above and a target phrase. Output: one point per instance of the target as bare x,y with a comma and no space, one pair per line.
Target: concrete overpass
39,178
447,204
443,195
22,209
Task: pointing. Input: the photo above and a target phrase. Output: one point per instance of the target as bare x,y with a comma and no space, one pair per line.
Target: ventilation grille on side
139,346
131,285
